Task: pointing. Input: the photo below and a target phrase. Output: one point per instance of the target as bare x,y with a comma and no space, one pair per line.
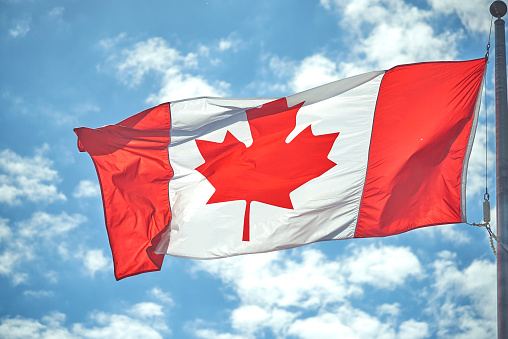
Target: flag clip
486,209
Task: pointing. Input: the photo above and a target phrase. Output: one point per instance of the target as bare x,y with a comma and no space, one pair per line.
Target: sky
69,63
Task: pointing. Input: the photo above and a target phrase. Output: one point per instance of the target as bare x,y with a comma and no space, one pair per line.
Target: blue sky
66,64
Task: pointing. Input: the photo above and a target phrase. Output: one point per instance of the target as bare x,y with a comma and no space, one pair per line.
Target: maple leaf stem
246,226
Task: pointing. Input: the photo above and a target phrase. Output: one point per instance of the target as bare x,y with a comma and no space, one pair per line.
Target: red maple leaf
270,168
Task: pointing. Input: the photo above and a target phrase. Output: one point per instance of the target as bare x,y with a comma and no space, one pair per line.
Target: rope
486,195
488,43
491,235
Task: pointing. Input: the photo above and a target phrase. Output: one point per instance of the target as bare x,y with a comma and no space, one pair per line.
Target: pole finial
498,9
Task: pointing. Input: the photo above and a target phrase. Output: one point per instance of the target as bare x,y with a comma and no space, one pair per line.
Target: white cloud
206,333
327,4
21,328
161,296
121,326
476,283
85,107
413,329
281,67
382,267
388,309
225,44
29,178
274,279
250,319
348,322
389,33
176,86
51,276
154,56
303,294
38,294
203,50
454,233
383,34
49,226
5,231
30,237
101,325
411,43
20,29
56,13
95,261
87,189
392,32
306,280
110,43
306,295
229,43
314,71
474,15
10,259
146,310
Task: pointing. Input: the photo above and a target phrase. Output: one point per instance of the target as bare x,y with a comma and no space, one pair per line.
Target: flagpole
498,10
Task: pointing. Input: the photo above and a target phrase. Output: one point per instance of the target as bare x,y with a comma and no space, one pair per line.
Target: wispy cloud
146,310
475,283
307,295
382,267
56,13
472,14
313,71
232,42
161,296
29,238
38,293
30,178
94,261
389,33
393,32
20,29
170,66
87,189
149,324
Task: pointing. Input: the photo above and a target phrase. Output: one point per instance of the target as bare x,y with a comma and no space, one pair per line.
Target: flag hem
469,148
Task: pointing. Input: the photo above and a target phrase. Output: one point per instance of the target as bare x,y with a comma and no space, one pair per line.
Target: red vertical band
422,125
132,164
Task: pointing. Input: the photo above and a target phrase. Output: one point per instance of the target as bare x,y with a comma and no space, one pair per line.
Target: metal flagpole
498,10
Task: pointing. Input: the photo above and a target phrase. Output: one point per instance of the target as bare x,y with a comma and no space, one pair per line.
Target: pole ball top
498,9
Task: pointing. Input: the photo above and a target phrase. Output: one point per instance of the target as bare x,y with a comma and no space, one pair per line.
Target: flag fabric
373,155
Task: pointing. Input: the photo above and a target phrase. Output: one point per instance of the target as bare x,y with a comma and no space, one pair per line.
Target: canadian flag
369,156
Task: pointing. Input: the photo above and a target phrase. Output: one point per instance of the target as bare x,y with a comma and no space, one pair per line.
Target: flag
373,155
